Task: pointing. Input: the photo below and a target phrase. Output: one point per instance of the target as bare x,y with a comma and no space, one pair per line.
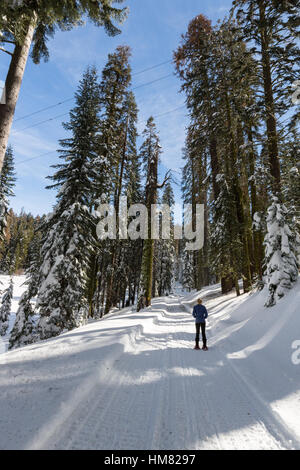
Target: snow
133,381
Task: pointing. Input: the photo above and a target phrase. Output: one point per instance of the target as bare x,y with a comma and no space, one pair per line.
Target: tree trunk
241,210
269,104
148,247
246,228
237,287
215,167
227,284
257,235
12,87
117,196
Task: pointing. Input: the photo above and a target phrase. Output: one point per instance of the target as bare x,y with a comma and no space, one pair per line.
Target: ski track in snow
153,391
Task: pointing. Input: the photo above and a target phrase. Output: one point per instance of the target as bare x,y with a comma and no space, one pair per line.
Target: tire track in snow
95,423
280,437
195,402
263,428
270,421
218,418
160,394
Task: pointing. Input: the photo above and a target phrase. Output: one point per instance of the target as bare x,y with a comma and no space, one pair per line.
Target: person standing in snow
200,314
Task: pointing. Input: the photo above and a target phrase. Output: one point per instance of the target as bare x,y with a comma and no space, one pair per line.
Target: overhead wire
17,131
55,151
72,98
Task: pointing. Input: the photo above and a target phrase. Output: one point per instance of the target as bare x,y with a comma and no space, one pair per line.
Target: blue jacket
200,313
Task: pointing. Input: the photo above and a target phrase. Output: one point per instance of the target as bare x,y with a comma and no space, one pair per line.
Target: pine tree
166,249
150,152
194,63
7,181
213,64
126,253
31,23
5,308
188,270
132,189
132,172
291,179
115,113
271,28
61,301
116,137
18,237
63,282
189,188
237,77
282,249
24,329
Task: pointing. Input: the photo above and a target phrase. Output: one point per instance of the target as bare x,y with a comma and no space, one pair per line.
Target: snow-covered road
133,381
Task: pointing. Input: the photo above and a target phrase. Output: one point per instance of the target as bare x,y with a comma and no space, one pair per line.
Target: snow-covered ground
133,381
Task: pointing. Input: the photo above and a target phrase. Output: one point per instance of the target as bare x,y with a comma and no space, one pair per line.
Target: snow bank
262,345
133,380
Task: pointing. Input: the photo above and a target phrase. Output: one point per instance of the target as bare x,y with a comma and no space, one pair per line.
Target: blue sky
153,31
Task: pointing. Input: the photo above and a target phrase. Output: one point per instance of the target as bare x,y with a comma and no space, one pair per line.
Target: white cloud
28,144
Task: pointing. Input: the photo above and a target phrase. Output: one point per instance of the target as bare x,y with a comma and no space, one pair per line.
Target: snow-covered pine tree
5,308
291,179
213,64
226,246
150,152
132,170
132,249
188,281
189,270
282,249
7,181
126,254
157,252
166,249
117,110
62,301
24,329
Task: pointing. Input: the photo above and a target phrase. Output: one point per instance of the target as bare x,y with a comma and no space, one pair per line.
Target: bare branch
7,41
167,178
7,52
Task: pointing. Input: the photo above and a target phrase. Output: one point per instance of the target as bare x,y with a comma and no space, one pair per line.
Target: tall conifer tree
62,295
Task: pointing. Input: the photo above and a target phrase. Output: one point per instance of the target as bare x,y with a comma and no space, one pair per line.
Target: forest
240,81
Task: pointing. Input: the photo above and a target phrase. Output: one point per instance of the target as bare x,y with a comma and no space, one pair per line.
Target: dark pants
202,326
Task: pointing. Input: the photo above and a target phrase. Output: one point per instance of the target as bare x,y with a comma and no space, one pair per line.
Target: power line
65,114
153,81
54,151
152,68
169,112
71,99
43,109
38,156
39,123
